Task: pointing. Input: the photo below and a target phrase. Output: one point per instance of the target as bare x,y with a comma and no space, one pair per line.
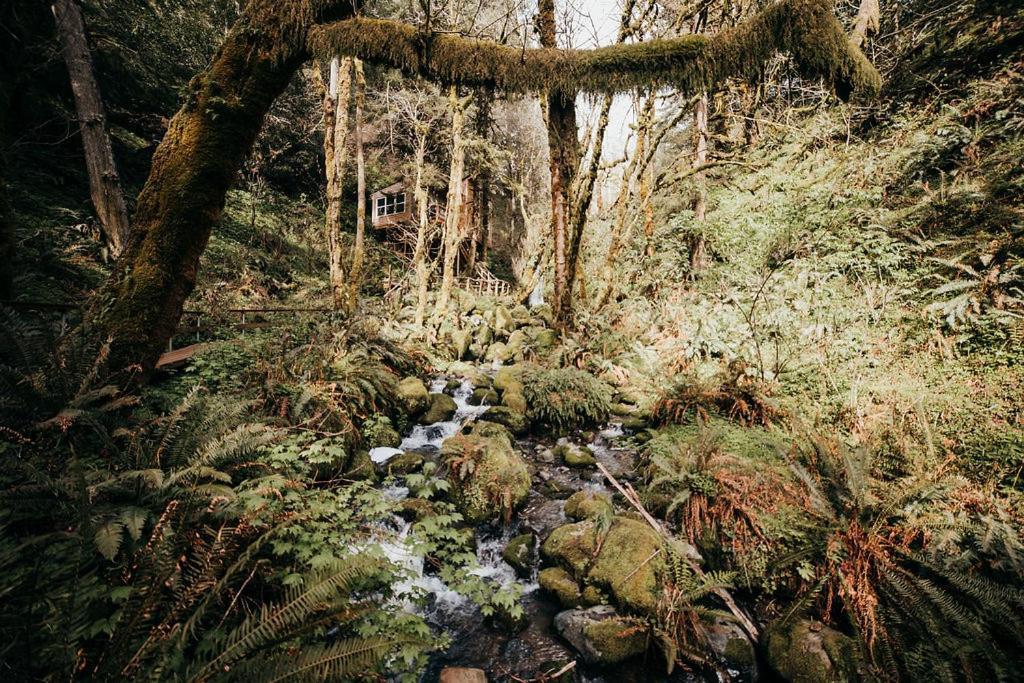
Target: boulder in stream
442,408
488,477
560,583
628,563
575,456
520,554
515,421
600,635
805,650
586,504
414,396
461,339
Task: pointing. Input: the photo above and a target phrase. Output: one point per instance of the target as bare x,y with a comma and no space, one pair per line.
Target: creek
475,641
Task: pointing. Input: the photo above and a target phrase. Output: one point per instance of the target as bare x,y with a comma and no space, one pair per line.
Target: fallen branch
630,494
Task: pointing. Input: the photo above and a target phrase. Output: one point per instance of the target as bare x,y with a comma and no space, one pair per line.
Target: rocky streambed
544,517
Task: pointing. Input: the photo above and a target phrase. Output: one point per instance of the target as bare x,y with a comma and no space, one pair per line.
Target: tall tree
336,95
564,156
355,274
698,244
104,183
453,210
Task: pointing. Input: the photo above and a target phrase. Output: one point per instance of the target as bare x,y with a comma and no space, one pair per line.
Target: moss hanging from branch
806,29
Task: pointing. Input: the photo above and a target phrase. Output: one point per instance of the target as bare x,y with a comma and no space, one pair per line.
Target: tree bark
335,105
136,312
698,244
867,23
564,154
419,256
453,210
104,184
355,276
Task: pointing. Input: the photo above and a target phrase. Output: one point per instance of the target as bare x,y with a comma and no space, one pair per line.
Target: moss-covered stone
575,456
628,563
403,463
381,432
586,504
515,421
805,650
600,635
516,344
514,398
488,478
413,394
560,583
482,395
506,376
461,339
360,467
498,352
442,408
592,595
520,554
503,321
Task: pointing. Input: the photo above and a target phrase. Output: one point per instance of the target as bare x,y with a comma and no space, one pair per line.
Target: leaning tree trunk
335,104
453,210
104,184
137,310
355,272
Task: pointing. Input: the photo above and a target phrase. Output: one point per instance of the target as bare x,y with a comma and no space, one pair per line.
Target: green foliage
565,398
923,568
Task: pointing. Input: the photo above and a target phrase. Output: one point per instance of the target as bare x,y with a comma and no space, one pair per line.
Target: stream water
537,648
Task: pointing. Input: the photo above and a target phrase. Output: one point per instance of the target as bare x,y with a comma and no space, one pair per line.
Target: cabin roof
391,189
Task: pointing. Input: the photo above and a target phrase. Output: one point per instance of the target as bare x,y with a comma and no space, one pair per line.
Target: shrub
566,398
734,396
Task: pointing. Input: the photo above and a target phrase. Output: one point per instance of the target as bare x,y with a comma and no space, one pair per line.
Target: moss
519,553
442,407
561,584
488,478
628,562
616,640
803,650
805,28
565,399
585,504
575,456
515,421
414,396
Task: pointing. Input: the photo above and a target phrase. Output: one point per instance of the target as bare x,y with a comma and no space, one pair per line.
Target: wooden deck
179,357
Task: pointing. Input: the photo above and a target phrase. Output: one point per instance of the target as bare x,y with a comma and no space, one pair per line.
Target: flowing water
476,642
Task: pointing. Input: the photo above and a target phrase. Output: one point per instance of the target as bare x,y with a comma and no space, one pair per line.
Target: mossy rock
515,421
482,395
461,339
473,373
520,313
360,467
575,456
504,323
497,351
488,478
592,595
413,394
586,504
514,398
634,423
560,583
516,344
403,463
415,509
629,564
600,635
506,376
483,336
520,554
805,650
442,408
381,432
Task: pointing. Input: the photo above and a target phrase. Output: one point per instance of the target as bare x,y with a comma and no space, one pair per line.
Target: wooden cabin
392,205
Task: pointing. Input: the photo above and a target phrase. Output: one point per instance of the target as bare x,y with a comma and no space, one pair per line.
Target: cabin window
390,204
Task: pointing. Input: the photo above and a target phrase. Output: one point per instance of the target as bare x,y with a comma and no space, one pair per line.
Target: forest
522,341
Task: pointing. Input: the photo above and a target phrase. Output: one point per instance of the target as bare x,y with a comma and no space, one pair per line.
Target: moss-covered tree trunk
355,274
419,255
336,95
698,243
564,157
453,209
137,310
